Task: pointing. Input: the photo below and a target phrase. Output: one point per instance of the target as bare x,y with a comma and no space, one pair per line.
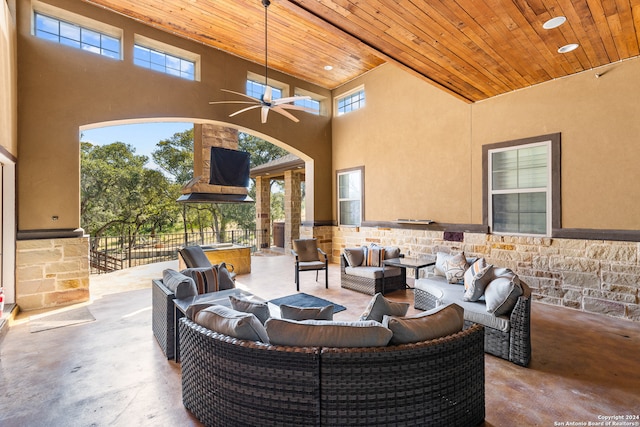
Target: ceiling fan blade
233,102
266,97
244,109
285,113
264,113
240,94
290,99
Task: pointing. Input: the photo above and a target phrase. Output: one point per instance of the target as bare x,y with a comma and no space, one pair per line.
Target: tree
119,195
175,156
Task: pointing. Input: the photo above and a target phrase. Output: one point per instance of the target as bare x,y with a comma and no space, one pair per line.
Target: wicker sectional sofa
507,336
232,382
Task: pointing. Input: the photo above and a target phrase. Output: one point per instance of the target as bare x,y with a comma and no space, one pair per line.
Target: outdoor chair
309,258
211,278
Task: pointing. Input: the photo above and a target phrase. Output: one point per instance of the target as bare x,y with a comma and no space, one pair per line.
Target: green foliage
120,195
175,156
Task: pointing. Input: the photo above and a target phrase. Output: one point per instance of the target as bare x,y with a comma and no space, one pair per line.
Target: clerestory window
74,35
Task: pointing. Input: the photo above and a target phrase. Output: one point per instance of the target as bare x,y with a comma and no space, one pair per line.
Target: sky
143,136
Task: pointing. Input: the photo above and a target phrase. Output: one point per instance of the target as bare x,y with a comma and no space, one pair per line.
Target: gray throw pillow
441,258
502,294
379,306
327,333
432,324
306,313
182,286
259,309
225,281
227,321
391,252
354,256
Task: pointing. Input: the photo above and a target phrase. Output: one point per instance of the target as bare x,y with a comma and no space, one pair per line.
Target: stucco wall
62,89
8,82
422,149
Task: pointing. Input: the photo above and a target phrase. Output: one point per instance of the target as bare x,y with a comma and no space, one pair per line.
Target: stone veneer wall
52,272
596,276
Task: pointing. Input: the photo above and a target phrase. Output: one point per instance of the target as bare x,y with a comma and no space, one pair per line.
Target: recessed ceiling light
568,48
328,67
554,22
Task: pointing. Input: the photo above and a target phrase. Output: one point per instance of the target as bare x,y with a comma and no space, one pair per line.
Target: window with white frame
351,101
163,62
165,58
523,186
312,105
74,35
350,196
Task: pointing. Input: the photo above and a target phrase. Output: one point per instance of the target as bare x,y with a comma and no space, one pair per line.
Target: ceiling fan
266,101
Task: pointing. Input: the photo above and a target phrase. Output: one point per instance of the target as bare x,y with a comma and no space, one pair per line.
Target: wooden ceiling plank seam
335,20
636,20
598,15
627,28
247,50
468,51
484,17
502,69
468,71
549,64
581,23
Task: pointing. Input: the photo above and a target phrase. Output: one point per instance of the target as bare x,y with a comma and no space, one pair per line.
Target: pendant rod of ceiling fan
266,4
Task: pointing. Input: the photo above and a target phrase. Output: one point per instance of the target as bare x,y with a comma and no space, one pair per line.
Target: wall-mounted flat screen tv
229,167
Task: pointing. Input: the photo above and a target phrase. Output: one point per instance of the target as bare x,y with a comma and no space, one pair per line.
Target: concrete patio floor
111,372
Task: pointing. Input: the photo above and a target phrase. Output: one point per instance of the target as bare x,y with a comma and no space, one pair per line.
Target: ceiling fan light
554,22
568,48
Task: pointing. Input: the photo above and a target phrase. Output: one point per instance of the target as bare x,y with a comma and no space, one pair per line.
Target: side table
415,263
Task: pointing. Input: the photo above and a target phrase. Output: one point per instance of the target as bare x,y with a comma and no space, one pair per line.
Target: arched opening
210,133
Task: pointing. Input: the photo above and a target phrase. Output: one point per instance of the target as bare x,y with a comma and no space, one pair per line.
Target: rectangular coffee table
180,307
415,263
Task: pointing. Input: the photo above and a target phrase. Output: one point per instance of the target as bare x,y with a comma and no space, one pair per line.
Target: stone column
52,272
206,136
263,211
292,208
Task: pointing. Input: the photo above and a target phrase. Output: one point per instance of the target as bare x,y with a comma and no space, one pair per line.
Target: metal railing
110,253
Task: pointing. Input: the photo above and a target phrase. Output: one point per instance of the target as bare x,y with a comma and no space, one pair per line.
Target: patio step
10,311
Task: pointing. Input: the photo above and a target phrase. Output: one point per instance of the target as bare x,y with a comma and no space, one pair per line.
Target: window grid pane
256,90
311,104
351,102
73,35
163,62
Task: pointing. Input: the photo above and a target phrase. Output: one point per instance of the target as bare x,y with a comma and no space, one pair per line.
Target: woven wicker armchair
368,285
230,382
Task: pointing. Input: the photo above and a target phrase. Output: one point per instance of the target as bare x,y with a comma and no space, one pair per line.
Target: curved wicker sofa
231,382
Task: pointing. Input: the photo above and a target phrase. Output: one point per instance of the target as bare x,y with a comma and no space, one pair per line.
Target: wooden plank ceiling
472,49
